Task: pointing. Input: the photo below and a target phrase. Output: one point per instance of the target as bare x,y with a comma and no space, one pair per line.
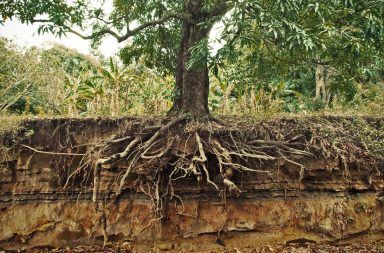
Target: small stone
126,245
220,242
188,246
164,246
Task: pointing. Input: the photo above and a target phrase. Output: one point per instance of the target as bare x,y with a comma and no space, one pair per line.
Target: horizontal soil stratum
139,184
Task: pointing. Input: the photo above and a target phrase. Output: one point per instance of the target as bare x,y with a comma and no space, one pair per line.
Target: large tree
184,22
173,35
338,39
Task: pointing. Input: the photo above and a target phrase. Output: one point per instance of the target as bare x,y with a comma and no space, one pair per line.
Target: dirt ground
306,157
126,247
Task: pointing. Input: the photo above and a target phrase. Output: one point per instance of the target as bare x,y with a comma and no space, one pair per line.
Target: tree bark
177,99
320,84
323,82
327,84
192,84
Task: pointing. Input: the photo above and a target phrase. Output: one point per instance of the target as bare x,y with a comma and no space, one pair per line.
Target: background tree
338,39
18,75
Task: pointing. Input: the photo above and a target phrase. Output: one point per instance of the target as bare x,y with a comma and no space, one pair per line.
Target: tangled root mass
181,148
153,157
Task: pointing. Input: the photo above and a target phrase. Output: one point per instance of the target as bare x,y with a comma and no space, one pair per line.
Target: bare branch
159,21
120,38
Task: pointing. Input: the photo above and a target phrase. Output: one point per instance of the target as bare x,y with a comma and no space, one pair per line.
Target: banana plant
112,79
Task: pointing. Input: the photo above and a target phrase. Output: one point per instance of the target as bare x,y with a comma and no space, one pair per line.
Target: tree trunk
327,83
192,85
320,84
177,99
323,82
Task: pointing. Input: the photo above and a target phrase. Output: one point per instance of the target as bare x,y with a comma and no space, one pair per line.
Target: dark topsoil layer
356,142
356,137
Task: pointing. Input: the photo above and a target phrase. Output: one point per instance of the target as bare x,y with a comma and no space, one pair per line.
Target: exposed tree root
182,148
141,150
154,158
51,153
103,221
161,156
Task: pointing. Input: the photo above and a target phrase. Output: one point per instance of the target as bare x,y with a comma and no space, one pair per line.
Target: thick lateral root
163,155
232,154
97,168
160,154
121,155
202,159
142,149
224,157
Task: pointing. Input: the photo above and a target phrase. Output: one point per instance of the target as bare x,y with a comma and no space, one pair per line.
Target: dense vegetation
276,55
61,81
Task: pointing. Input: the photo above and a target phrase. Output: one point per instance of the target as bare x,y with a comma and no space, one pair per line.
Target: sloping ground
335,197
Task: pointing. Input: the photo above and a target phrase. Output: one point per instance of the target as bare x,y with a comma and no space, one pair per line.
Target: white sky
26,35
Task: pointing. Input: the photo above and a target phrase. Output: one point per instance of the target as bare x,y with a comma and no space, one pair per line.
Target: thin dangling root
103,220
96,182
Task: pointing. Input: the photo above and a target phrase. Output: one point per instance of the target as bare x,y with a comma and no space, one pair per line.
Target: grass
10,124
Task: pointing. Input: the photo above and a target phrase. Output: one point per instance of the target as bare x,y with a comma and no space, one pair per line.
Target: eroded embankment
338,196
